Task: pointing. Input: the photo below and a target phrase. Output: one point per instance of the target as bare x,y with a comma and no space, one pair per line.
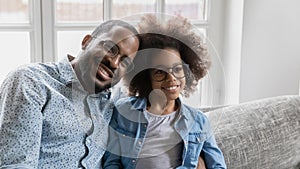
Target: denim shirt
128,128
48,121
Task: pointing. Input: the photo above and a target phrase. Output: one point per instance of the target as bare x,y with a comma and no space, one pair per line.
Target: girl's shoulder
194,113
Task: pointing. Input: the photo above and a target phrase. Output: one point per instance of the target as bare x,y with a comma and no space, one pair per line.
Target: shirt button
145,125
88,141
133,161
123,135
139,142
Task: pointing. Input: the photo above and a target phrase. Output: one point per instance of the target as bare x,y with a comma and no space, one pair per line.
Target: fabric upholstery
259,134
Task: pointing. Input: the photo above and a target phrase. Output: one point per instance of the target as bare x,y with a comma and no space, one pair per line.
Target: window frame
44,30
33,27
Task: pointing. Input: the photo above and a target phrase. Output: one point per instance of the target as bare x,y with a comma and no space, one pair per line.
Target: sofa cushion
259,134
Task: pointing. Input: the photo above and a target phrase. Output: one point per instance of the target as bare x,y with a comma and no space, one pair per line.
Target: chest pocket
127,142
195,144
129,132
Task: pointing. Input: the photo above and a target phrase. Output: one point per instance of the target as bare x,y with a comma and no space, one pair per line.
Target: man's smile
104,72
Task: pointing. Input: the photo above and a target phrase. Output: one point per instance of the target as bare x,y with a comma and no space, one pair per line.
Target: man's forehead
118,34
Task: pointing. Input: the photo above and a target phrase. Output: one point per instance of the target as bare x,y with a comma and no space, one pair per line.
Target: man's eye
125,61
110,51
110,48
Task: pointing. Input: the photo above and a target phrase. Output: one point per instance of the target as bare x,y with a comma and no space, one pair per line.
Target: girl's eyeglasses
178,71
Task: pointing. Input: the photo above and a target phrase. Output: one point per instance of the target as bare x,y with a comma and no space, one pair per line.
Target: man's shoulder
34,68
31,75
32,71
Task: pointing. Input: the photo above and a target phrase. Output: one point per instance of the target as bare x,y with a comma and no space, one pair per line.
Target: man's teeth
103,71
171,88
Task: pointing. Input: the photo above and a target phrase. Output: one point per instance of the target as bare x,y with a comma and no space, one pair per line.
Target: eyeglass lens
111,48
126,64
177,71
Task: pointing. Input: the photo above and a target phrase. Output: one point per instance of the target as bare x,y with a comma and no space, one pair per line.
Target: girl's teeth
171,88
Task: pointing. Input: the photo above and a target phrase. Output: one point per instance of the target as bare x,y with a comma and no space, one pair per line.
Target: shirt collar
183,110
67,73
141,104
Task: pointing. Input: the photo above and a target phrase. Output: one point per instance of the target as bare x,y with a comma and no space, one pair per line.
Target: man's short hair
108,25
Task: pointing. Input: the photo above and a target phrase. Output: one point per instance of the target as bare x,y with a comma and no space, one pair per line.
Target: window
39,30
18,38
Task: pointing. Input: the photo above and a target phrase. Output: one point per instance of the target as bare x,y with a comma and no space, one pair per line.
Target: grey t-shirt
162,147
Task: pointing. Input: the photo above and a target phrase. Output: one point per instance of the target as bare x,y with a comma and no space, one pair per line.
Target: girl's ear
85,41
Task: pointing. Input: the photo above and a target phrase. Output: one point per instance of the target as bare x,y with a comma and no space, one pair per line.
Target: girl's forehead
166,57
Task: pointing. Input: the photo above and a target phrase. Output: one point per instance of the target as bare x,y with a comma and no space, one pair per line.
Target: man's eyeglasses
112,50
178,71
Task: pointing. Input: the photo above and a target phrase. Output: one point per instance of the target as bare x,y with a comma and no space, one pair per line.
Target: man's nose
115,61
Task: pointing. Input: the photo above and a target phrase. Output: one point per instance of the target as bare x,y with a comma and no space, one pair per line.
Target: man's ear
85,41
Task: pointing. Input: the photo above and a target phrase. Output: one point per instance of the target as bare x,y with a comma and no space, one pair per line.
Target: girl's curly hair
176,33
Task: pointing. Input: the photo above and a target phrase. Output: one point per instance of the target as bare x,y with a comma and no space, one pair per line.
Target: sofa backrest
259,134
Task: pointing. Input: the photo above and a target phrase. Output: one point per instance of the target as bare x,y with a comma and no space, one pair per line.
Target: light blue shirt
129,126
48,121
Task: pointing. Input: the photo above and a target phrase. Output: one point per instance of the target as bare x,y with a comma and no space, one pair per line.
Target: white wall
270,57
261,49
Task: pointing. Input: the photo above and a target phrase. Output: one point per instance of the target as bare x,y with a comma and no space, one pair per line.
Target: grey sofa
260,134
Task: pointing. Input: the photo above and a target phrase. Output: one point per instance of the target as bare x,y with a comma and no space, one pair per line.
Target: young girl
153,128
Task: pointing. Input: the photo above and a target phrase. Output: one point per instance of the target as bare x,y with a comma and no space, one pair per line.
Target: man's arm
20,121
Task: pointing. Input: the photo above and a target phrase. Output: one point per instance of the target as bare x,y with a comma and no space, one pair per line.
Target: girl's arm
212,154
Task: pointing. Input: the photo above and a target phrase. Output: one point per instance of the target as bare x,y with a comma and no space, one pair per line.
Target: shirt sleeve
112,156
21,102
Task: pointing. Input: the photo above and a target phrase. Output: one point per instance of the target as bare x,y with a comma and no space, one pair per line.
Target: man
54,115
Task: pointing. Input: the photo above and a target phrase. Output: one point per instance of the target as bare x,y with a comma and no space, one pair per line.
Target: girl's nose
170,76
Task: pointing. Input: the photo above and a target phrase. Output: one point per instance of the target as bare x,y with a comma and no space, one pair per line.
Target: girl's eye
177,69
158,72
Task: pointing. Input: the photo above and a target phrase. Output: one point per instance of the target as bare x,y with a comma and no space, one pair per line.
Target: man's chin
103,85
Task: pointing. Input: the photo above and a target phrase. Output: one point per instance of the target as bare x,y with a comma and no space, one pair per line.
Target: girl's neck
170,107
